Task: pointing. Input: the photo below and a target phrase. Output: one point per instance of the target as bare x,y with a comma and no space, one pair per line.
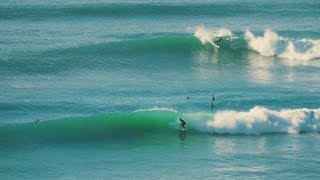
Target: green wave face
126,126
114,55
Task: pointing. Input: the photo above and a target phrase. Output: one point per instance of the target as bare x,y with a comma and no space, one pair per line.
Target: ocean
109,80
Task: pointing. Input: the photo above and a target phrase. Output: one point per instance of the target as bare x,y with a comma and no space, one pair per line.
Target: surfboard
215,45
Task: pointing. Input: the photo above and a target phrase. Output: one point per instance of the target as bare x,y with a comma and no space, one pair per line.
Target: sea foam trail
258,120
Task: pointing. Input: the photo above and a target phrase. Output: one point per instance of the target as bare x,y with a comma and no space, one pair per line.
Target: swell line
150,9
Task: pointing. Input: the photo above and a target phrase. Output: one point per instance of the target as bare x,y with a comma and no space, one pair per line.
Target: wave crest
260,120
207,35
265,45
127,125
270,45
312,53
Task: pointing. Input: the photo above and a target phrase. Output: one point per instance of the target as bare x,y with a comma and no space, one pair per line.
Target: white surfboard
215,45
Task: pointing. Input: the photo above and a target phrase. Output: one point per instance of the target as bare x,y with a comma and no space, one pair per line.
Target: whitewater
270,44
95,89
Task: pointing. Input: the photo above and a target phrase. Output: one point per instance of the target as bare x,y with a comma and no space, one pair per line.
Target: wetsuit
183,123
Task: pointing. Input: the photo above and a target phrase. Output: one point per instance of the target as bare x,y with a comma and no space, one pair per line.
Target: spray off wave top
258,120
270,44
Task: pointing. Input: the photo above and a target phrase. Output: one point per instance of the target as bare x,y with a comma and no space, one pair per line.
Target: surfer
188,97
218,40
38,120
183,123
213,98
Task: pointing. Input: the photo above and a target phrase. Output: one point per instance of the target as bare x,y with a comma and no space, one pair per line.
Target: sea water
109,80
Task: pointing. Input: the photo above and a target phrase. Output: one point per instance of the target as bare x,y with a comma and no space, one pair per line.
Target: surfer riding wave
183,123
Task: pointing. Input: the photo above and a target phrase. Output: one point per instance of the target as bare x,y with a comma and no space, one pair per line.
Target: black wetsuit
219,40
183,123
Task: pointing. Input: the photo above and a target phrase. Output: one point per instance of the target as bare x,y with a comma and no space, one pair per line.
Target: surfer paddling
183,123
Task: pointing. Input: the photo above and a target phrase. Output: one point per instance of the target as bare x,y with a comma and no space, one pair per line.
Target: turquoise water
109,79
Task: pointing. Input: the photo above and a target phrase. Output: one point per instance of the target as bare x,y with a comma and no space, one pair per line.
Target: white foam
257,120
207,35
312,53
265,44
269,44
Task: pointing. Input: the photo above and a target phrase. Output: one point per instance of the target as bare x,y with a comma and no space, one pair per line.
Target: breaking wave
269,44
207,35
160,122
105,54
258,120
